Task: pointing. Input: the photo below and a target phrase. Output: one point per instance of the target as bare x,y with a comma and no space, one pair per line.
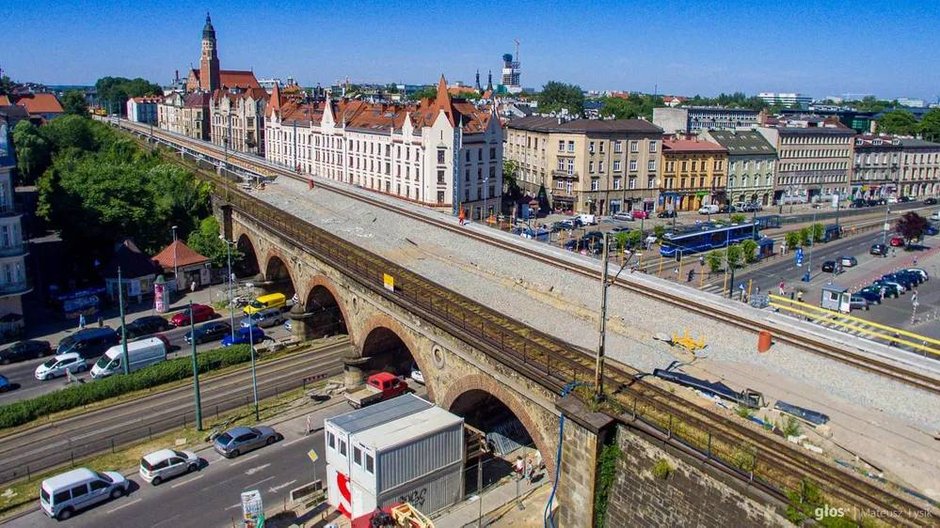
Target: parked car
557,226
21,350
622,216
59,365
935,216
903,280
201,313
620,229
416,374
165,464
920,271
708,209
211,331
831,266
914,278
65,494
870,295
930,230
848,261
930,201
891,288
639,214
587,219
896,241
857,302
241,440
592,234
243,336
5,384
90,342
879,249
567,224
859,203
670,213
905,199
144,326
264,318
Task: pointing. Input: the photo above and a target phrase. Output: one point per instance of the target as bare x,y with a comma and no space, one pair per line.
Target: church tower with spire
209,63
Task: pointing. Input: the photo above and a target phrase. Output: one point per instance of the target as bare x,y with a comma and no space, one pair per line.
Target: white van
587,219
708,209
140,354
63,495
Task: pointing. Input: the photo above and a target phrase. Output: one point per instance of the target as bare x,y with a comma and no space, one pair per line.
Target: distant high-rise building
911,103
512,72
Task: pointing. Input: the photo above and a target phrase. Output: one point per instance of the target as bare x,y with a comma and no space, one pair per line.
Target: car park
879,249
65,494
165,464
670,213
639,214
848,261
58,365
22,350
896,241
150,324
870,295
240,440
891,288
264,318
857,302
920,271
243,336
211,331
201,313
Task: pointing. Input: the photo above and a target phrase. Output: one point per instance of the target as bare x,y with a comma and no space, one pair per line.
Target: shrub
662,469
24,411
714,260
738,218
733,255
792,239
749,247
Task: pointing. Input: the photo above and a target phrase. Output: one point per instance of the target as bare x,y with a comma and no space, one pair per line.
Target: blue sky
820,48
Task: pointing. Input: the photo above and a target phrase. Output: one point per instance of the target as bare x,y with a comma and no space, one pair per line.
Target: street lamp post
124,358
884,228
812,242
254,377
486,179
196,396
231,281
176,271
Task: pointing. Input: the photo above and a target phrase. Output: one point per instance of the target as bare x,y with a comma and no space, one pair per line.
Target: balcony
564,175
8,289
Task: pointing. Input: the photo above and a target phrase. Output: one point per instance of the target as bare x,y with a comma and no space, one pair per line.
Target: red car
896,241
640,215
201,313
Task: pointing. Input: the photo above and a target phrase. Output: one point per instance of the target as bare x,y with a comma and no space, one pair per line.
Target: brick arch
239,231
510,400
381,320
323,280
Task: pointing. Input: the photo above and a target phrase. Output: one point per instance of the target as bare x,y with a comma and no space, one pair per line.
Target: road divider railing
889,334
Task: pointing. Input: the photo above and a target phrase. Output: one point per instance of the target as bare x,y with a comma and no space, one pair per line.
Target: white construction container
416,458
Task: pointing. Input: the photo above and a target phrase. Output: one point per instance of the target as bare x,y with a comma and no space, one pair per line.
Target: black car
22,350
871,296
666,214
904,199
829,266
858,204
879,249
150,324
211,331
903,280
930,201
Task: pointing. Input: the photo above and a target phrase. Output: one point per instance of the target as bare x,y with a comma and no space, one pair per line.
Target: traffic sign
313,455
389,282
799,257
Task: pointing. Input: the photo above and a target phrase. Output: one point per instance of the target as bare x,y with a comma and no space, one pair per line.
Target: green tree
428,92
929,126
556,96
805,234
659,231
206,241
897,122
113,92
872,104
73,102
633,106
733,255
71,132
622,240
911,226
738,218
818,232
6,85
33,151
715,260
792,239
510,183
749,249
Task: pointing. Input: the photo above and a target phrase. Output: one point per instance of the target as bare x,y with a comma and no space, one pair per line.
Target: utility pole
254,376
231,281
123,330
812,242
602,329
192,339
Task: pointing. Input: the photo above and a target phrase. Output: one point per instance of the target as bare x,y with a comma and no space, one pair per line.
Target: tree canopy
205,240
556,96
899,122
632,107
73,102
6,85
114,92
33,151
911,226
734,100
428,92
929,125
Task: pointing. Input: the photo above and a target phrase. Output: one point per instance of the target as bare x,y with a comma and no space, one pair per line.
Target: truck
140,354
379,387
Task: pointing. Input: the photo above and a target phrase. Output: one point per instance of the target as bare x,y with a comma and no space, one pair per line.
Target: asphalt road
27,386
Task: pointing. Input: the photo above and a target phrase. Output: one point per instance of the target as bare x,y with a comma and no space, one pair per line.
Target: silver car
240,440
265,318
59,365
167,463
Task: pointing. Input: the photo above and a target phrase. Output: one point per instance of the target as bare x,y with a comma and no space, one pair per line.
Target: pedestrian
192,287
528,469
100,322
782,289
691,274
799,296
701,261
81,321
915,260
519,467
676,271
894,252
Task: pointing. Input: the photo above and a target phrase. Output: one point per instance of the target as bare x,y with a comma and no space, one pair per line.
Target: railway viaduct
459,375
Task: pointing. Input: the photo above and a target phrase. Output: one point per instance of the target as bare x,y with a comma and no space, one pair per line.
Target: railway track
52,444
743,449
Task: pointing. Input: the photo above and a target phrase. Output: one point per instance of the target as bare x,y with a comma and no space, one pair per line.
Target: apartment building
587,166
186,114
814,162
13,250
877,166
920,168
751,165
237,119
442,152
143,109
694,174
693,119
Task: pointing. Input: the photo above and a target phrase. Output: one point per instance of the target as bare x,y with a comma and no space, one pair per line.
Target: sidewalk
525,504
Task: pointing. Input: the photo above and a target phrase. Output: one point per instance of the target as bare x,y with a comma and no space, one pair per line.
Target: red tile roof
255,93
686,145
233,78
185,256
41,103
5,101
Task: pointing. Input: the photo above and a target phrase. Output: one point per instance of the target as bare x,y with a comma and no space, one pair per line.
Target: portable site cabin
836,298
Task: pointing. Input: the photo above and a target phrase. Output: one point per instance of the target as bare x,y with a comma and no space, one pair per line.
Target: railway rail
740,448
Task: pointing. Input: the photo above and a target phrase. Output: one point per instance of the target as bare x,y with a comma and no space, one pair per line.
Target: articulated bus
706,238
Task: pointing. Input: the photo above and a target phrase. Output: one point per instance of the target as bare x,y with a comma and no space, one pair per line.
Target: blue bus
707,238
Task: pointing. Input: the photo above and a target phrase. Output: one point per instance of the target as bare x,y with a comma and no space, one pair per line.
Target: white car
708,209
59,365
161,465
417,375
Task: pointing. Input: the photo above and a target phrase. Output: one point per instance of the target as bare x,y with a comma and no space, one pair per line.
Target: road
211,496
50,444
27,386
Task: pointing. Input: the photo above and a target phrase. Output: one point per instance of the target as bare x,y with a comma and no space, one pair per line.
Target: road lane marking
233,506
255,485
256,469
178,484
279,487
125,505
246,459
294,441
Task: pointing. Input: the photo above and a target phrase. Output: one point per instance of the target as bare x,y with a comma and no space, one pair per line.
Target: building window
370,463
651,165
561,146
632,165
718,165
570,167
600,166
653,145
440,156
595,184
330,440
618,147
440,197
357,456
591,167
634,146
591,147
632,182
571,146
602,147
492,153
440,176
617,184
617,166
